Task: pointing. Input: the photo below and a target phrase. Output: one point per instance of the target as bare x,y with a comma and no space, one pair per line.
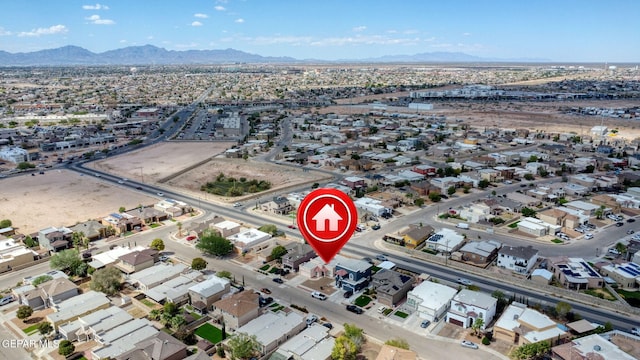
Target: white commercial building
246,240
14,154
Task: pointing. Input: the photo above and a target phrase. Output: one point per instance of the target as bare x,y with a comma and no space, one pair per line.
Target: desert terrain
61,198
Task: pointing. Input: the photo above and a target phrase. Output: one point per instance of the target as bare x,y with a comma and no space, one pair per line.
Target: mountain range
152,55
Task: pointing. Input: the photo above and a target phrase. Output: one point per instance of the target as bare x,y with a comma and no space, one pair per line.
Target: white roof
78,306
476,298
105,319
509,318
249,237
111,256
155,274
124,338
349,263
607,349
211,286
271,326
536,319
305,341
433,295
226,224
174,288
542,273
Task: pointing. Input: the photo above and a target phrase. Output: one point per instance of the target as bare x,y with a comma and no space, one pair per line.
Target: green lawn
265,267
276,309
632,297
557,241
514,225
362,300
31,329
273,270
274,305
209,332
154,225
386,312
148,302
401,314
195,315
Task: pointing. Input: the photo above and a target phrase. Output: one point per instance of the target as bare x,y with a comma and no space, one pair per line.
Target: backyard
209,332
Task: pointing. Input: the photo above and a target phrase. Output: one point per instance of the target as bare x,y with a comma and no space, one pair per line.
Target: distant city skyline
559,31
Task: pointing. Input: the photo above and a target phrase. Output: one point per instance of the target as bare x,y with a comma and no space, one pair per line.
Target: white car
6,300
588,236
465,282
468,344
161,194
311,319
318,295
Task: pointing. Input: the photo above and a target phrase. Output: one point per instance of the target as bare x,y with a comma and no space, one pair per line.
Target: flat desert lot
61,198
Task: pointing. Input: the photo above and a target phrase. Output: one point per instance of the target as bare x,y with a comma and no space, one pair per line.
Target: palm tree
179,225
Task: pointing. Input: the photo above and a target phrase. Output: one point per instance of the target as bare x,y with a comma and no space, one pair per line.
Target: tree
278,252
589,169
23,312
122,209
562,309
157,244
213,244
107,280
243,346
170,308
451,190
599,212
621,248
531,351
198,263
434,197
45,328
66,348
483,184
5,223
477,325
79,239
41,279
224,274
269,229
25,165
418,202
177,321
528,177
525,211
29,242
355,334
66,260
399,343
179,225
344,349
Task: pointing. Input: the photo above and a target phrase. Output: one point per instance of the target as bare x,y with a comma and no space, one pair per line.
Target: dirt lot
61,198
159,161
280,176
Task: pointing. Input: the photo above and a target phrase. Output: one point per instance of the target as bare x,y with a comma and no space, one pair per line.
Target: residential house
427,170
92,229
77,306
584,207
173,208
237,309
480,252
594,346
137,260
468,306
287,325
14,255
162,346
205,293
55,239
445,240
279,205
249,240
316,268
297,254
541,276
87,327
351,274
388,352
122,338
354,182
519,259
155,275
313,342
417,235
122,223
626,275
490,175
574,273
559,217
430,300
476,212
175,290
49,293
148,215
391,286
112,256
536,227
519,325
226,228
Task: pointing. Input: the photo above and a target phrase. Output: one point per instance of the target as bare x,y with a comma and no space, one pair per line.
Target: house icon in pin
327,213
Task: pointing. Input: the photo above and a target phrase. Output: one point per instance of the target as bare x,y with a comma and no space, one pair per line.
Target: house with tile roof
391,286
238,309
205,293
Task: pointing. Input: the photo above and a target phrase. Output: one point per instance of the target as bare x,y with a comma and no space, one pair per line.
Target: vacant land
61,198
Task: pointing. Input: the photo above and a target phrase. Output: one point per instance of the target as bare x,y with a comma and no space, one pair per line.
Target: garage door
455,322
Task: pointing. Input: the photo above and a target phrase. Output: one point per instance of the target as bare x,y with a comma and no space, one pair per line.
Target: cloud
201,16
196,23
96,20
239,21
359,28
95,7
123,41
365,40
219,8
466,34
4,32
52,30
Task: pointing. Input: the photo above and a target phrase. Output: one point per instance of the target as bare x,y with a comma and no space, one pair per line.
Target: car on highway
355,309
381,257
464,281
237,204
588,236
630,220
468,344
161,194
618,224
291,226
376,227
318,295
635,331
278,280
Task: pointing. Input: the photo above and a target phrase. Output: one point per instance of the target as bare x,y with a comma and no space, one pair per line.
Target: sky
555,30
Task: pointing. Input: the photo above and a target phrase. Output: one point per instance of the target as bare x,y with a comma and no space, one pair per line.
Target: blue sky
558,30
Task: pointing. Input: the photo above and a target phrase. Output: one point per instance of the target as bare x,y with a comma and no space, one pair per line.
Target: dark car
348,294
354,309
376,227
264,301
278,280
618,224
631,220
328,325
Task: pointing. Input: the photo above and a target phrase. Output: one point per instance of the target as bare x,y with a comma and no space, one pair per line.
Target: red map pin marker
327,218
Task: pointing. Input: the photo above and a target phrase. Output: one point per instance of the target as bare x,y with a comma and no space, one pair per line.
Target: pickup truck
462,226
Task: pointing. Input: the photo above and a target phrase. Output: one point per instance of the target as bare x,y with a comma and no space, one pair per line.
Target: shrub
486,341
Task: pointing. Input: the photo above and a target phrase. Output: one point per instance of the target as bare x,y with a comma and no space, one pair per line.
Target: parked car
588,236
613,252
355,309
468,344
381,309
630,232
311,319
347,294
318,295
237,204
266,291
278,280
265,301
465,282
5,300
163,258
328,325
161,194
376,227
425,323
